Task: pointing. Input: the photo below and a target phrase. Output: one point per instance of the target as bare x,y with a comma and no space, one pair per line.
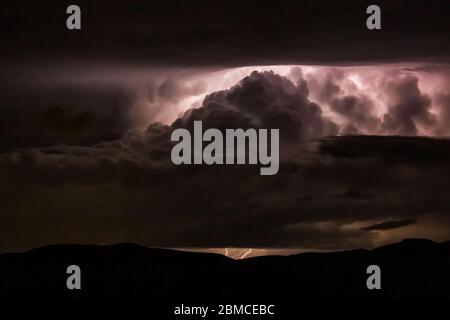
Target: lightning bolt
246,253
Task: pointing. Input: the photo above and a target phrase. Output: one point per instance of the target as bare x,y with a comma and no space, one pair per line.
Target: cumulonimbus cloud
128,190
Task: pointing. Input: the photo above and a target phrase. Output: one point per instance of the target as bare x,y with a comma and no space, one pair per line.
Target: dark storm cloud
358,113
264,100
128,189
85,108
78,115
325,88
402,101
122,192
410,108
387,225
223,33
392,149
443,101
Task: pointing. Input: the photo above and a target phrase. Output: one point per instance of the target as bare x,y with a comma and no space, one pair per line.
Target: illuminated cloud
87,106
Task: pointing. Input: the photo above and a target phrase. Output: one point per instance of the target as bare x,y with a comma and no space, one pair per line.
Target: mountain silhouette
413,268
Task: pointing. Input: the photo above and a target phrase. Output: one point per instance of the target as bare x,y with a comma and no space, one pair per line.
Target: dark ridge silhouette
413,268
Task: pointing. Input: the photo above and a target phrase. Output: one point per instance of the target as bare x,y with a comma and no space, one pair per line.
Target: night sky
86,118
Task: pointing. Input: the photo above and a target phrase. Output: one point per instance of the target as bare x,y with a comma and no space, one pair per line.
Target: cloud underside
331,192
208,33
325,201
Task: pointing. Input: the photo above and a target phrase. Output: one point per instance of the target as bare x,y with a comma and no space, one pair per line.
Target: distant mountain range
413,268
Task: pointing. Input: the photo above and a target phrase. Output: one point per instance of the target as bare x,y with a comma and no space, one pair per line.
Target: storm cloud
409,107
128,190
220,33
387,225
263,100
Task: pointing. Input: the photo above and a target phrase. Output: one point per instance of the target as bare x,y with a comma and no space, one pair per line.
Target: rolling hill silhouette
413,268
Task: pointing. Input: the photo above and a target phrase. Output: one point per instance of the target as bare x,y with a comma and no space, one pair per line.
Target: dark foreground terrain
410,269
